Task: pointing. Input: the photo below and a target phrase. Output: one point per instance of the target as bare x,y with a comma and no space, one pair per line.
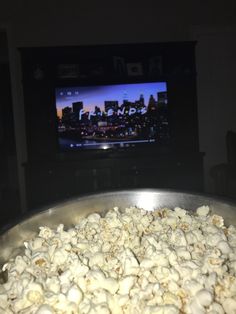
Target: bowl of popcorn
136,251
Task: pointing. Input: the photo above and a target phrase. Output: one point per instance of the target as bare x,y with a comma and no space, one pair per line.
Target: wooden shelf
51,182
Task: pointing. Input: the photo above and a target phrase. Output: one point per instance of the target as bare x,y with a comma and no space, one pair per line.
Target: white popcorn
229,305
130,263
203,211
53,284
116,303
35,244
65,277
20,264
5,311
94,218
165,261
163,309
173,258
232,266
192,286
217,220
111,285
148,263
178,238
143,282
78,269
59,257
101,308
3,300
204,297
190,237
170,298
74,294
199,235
173,287
180,212
85,306
100,296
195,308
94,280
183,253
125,284
46,232
211,280
213,239
171,221
45,309
96,259
34,293
216,308
224,247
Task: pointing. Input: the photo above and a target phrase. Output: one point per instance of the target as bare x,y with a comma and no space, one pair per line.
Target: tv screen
110,116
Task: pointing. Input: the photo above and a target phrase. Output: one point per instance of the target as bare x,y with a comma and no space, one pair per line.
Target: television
112,116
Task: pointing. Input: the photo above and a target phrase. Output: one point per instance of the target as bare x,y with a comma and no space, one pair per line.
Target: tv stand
56,180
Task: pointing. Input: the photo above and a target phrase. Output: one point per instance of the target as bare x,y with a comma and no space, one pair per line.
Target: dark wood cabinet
50,182
52,175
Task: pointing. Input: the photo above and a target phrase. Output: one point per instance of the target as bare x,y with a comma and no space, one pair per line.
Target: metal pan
70,212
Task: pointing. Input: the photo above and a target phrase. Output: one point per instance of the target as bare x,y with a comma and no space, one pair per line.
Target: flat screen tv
112,116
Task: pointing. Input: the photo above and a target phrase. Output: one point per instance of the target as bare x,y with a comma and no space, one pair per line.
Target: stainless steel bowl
70,212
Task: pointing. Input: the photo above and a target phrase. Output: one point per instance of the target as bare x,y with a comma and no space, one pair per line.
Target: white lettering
121,111
110,112
132,111
143,110
81,112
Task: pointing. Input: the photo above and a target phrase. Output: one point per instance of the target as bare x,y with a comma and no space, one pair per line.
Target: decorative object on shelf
155,66
38,73
119,65
135,69
67,71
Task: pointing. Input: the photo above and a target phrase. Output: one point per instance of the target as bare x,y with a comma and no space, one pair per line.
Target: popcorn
3,300
180,212
178,238
34,293
53,284
192,287
224,247
216,308
229,306
96,259
45,309
195,308
74,294
131,261
203,211
217,220
126,283
204,297
46,232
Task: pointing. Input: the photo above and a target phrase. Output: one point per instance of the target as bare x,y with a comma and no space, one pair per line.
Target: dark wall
211,23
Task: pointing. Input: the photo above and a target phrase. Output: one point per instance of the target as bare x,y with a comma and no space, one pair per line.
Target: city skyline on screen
92,96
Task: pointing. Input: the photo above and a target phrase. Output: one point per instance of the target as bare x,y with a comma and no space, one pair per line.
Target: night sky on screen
92,96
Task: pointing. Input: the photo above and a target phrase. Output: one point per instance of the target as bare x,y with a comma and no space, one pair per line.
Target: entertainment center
110,117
